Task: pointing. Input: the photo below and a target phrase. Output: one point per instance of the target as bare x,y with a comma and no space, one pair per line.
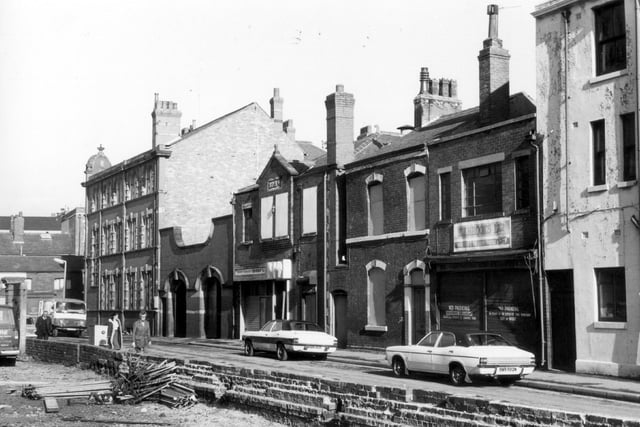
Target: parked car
462,357
9,345
290,336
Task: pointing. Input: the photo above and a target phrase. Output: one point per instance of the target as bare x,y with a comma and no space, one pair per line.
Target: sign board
482,235
274,184
271,270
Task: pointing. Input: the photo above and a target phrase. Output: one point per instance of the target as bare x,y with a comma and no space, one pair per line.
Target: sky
75,75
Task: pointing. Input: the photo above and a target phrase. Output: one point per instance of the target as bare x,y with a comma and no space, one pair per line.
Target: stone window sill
598,188
608,76
627,184
609,325
375,328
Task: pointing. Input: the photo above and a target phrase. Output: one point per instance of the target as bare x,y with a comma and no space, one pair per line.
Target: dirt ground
16,410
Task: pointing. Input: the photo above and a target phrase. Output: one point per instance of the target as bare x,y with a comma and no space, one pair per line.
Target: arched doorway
179,289
340,317
174,305
211,288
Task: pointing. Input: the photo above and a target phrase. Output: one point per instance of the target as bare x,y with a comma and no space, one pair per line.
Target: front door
340,317
563,331
419,325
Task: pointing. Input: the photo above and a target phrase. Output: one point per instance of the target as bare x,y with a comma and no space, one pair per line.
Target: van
67,315
9,343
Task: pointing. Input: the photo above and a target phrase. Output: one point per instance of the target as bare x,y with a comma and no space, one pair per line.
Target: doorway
340,310
211,308
563,330
180,311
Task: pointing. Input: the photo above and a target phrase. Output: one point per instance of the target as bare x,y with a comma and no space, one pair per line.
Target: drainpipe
565,15
532,142
637,68
324,256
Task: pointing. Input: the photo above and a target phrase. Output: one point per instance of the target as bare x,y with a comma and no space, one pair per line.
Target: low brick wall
315,400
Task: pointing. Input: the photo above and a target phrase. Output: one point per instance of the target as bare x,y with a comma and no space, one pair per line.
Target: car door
443,352
260,338
419,359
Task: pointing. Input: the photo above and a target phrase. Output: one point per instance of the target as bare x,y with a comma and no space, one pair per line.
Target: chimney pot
276,103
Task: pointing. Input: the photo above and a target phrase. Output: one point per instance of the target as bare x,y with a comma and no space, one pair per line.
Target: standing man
141,333
43,326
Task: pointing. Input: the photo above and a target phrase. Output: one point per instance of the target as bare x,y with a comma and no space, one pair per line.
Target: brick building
458,188
46,251
279,241
184,181
587,100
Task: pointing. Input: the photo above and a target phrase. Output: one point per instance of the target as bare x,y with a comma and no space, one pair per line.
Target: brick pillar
276,105
340,108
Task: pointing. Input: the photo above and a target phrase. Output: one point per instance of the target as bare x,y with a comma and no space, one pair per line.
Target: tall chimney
17,228
276,105
166,121
339,126
436,98
494,74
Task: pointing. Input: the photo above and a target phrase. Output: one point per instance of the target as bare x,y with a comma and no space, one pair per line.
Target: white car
462,357
285,336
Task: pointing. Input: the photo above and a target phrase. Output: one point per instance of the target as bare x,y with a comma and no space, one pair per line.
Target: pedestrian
43,326
141,333
114,332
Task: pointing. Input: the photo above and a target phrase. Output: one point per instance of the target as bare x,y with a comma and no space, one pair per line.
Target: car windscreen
304,326
487,339
6,318
70,307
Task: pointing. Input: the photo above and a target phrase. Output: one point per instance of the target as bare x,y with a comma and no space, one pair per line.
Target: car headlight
482,361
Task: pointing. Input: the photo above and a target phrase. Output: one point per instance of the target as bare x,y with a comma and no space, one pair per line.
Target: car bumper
501,371
9,353
311,348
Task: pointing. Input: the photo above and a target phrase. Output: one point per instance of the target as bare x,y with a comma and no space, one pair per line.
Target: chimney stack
340,109
17,228
437,97
165,121
289,129
276,105
494,74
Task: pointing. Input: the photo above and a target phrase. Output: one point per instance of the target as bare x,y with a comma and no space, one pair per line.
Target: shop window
376,209
376,294
482,190
310,210
598,153
523,174
416,202
274,216
445,196
612,296
611,54
628,147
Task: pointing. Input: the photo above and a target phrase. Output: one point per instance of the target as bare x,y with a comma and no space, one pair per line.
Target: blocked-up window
612,295
376,297
247,215
598,161
310,210
416,203
628,147
282,215
267,210
274,216
482,190
523,198
611,49
376,209
445,196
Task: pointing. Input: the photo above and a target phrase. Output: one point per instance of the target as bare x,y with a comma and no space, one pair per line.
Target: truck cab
67,315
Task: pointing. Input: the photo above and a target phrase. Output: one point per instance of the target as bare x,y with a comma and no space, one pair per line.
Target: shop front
265,293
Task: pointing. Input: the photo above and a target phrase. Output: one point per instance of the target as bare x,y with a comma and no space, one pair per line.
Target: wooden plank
51,405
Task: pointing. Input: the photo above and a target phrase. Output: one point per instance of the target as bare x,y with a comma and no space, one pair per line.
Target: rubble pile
140,380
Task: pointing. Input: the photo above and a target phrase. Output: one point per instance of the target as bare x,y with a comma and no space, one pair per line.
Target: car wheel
281,352
457,375
399,370
248,348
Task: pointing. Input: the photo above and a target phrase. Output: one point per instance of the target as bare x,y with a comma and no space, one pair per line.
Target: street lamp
64,280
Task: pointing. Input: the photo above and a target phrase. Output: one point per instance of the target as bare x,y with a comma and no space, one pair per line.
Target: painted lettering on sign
459,312
273,184
508,313
482,235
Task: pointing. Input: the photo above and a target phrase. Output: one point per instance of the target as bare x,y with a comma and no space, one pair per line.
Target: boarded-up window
376,297
309,210
282,217
266,217
598,161
416,208
376,209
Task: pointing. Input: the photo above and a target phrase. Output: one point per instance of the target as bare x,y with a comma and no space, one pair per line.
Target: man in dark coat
43,326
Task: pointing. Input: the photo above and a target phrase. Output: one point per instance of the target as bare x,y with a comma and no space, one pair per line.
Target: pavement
605,387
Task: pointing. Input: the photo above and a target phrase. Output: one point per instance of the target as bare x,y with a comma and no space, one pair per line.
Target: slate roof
520,104
34,244
311,152
34,223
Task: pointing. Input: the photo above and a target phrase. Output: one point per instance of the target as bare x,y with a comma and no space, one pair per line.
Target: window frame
310,210
522,174
376,298
598,153
618,282
416,208
629,161
475,209
601,41
375,208
444,196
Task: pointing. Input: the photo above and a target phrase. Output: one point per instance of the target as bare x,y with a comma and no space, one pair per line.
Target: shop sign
508,313
274,184
280,270
459,312
482,235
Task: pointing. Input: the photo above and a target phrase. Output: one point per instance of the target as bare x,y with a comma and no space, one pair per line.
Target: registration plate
508,371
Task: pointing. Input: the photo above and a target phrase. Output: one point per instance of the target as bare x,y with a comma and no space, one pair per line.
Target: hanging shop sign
482,235
271,270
